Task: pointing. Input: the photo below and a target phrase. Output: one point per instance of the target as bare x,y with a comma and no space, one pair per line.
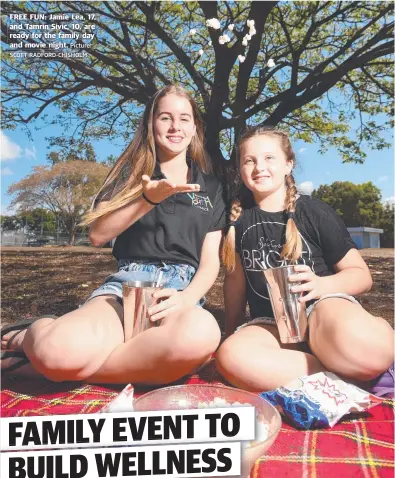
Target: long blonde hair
139,158
292,248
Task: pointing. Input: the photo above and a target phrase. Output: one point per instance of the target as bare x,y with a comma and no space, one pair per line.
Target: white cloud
306,187
9,149
7,211
30,153
302,150
382,178
6,171
389,200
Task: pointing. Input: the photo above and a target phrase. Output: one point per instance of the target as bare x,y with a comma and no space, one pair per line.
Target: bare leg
77,344
88,344
349,341
163,354
254,359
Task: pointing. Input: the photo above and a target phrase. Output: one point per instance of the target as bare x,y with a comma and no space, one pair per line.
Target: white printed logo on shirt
266,255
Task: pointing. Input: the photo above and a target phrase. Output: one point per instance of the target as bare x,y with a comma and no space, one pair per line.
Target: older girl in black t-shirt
273,226
166,211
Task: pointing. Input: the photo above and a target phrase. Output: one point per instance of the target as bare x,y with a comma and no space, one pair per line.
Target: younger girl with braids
272,225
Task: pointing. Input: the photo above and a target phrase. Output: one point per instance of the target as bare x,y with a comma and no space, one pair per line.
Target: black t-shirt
260,236
174,230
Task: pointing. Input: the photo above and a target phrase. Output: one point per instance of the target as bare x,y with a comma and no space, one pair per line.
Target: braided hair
228,248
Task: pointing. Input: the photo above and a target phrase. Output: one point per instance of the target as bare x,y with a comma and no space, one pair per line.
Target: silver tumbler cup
289,313
137,298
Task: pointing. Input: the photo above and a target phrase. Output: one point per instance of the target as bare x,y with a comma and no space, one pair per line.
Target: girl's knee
61,354
194,338
361,347
230,358
375,348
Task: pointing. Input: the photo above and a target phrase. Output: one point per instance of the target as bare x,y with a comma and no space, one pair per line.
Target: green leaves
334,65
360,205
357,204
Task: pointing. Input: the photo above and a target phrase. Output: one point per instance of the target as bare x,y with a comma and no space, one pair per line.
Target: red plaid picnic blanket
359,447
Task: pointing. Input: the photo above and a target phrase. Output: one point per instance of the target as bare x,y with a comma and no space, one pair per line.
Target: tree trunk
220,164
72,237
72,232
213,148
227,171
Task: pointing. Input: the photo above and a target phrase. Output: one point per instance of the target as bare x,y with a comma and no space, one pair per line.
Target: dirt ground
56,280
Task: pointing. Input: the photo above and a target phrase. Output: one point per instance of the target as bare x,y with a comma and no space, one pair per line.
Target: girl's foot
12,335
13,341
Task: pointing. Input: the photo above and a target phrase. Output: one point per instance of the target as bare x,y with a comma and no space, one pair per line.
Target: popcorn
271,63
241,58
182,403
223,39
213,23
262,428
250,23
220,403
244,42
319,400
231,27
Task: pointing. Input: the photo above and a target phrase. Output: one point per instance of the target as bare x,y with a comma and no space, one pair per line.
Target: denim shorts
173,276
271,321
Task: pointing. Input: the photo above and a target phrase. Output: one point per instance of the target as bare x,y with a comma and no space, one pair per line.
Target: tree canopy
70,150
66,188
312,67
357,204
38,221
387,224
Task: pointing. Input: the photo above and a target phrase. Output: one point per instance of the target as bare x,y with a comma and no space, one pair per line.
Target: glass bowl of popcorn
268,420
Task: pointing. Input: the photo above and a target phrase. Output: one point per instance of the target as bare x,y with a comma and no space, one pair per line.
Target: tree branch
177,51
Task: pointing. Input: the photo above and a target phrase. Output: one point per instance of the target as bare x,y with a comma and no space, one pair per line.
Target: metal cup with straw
137,298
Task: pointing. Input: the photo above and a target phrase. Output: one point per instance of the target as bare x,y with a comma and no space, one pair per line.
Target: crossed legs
88,345
344,338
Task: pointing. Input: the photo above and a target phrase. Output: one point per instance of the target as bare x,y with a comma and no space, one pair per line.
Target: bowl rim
277,427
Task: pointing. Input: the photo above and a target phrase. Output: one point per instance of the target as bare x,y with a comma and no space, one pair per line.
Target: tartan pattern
360,447
363,447
20,398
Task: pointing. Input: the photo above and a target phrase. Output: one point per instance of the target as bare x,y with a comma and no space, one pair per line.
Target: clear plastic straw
159,278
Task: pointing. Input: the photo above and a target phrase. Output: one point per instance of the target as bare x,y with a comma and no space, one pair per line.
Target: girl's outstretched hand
159,190
169,301
310,283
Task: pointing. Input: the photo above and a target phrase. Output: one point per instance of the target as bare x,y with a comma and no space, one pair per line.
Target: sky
19,155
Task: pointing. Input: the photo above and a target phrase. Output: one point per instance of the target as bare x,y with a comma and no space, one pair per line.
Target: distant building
366,237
